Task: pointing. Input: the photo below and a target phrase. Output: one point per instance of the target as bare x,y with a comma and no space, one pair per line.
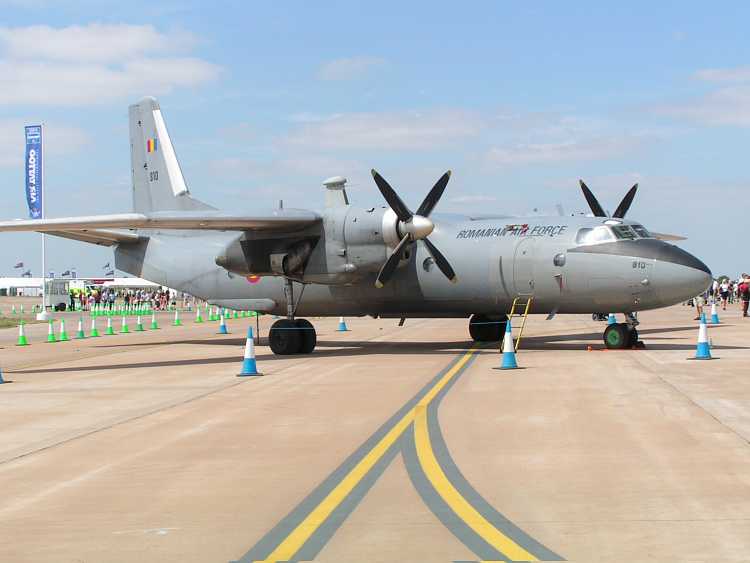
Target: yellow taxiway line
288,547
454,499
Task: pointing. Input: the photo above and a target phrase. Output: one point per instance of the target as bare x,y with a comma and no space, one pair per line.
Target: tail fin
158,184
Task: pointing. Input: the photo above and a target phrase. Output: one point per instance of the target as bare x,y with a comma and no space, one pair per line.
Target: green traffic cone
14,310
94,331
154,324
177,321
63,333
139,325
124,326
198,317
110,331
22,341
79,333
51,332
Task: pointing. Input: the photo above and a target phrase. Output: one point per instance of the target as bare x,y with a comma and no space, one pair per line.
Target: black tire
633,338
485,329
284,338
307,334
617,336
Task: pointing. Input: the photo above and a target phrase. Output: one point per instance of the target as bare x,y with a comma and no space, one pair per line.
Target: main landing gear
486,329
622,336
290,335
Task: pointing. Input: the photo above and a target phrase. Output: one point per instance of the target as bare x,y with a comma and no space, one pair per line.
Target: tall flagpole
44,235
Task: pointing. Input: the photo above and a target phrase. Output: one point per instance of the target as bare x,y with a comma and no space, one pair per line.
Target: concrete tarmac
387,444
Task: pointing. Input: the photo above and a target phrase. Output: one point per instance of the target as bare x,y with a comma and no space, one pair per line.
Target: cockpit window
624,232
595,235
642,231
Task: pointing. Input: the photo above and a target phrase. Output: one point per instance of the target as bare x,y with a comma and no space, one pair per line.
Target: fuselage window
641,230
595,235
559,260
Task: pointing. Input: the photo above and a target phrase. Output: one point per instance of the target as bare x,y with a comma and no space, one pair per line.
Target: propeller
598,210
412,227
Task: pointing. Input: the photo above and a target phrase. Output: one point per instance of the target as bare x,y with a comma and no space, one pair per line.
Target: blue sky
264,100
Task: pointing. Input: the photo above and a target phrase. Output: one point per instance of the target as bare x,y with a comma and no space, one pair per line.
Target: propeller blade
441,261
390,196
596,209
622,209
390,265
434,196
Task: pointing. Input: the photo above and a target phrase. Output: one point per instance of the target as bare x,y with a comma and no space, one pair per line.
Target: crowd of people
725,292
85,299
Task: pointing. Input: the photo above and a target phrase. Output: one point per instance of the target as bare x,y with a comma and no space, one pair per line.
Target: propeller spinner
412,227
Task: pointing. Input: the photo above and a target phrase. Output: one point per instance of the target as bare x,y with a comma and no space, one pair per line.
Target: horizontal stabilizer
278,220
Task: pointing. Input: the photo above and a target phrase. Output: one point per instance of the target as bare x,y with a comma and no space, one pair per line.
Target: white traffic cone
249,366
714,314
509,352
703,350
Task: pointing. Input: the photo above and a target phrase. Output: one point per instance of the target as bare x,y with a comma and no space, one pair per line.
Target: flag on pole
33,170
19,265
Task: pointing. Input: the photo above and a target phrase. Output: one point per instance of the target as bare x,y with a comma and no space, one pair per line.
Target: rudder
158,183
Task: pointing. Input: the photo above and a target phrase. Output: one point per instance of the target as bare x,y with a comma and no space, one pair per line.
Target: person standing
743,291
724,293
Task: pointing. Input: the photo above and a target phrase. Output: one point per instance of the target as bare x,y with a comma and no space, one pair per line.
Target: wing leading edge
276,221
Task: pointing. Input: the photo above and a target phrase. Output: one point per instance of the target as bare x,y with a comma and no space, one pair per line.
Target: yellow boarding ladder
522,302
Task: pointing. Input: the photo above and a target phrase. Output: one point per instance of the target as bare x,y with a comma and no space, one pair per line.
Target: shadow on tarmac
335,348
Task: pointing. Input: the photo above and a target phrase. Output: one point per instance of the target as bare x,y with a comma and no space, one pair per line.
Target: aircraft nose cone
681,275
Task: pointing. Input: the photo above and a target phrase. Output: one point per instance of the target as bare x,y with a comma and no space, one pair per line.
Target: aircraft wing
279,220
102,237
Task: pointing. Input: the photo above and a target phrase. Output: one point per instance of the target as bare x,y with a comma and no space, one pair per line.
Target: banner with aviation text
33,170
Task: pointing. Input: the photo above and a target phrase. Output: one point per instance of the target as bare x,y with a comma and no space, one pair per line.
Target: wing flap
102,237
279,220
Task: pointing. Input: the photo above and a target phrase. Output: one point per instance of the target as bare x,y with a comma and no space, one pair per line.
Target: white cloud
594,148
90,43
349,68
388,131
478,198
739,74
58,140
726,106
95,64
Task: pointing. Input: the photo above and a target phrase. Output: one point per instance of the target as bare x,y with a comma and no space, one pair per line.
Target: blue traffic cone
342,325
714,314
249,366
611,320
703,350
509,352
1,377
223,325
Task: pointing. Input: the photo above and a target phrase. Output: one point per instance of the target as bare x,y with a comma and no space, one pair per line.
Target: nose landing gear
622,336
290,335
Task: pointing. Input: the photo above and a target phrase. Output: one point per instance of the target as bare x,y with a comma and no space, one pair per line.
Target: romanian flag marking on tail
151,145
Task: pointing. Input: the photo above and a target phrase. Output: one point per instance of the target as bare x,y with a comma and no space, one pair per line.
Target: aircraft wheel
484,329
633,337
284,338
308,337
617,336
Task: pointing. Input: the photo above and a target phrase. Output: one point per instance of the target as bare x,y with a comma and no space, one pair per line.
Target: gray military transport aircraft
380,260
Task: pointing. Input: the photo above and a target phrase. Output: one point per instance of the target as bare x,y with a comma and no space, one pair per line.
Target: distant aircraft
384,261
